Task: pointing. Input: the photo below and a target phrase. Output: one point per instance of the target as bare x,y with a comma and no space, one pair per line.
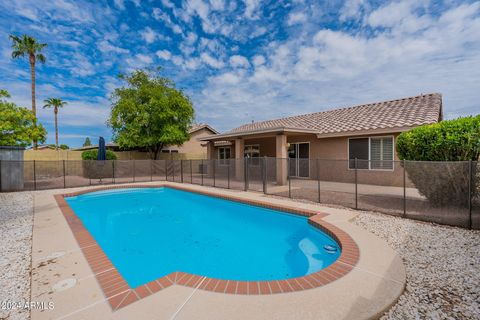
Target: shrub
93,155
98,169
444,183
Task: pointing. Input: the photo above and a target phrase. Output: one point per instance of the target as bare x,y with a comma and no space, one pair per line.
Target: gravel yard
442,264
16,221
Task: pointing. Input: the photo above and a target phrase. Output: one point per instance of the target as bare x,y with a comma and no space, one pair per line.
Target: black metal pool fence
441,192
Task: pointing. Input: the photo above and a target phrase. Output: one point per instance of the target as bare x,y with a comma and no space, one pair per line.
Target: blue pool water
151,232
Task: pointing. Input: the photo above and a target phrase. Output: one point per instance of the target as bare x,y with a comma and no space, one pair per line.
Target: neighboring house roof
386,116
201,126
110,145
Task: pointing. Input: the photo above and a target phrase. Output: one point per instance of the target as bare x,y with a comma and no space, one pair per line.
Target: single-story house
365,132
194,146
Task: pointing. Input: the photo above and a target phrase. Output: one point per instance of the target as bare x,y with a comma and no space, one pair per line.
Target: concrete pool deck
61,274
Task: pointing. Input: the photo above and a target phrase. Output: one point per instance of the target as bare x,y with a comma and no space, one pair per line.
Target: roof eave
259,131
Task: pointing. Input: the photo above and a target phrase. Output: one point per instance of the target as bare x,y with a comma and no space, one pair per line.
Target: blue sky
244,60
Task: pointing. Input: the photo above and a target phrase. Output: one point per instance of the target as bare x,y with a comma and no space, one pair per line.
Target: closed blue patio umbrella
102,152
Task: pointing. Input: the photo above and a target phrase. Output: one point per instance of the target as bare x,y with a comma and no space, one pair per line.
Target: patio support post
281,153
318,178
181,171
356,185
35,176
470,177
64,179
404,190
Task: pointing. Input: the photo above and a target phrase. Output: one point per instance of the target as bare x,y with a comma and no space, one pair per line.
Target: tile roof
400,113
199,126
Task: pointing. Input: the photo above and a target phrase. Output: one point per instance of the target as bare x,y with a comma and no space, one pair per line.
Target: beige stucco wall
194,146
333,153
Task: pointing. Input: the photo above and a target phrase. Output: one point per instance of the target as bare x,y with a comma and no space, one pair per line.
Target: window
223,155
375,153
253,152
381,153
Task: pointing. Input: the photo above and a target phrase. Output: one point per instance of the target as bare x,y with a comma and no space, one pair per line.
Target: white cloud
164,54
211,61
139,61
296,18
250,8
177,60
159,15
149,35
120,4
258,60
191,38
168,4
217,4
239,61
105,47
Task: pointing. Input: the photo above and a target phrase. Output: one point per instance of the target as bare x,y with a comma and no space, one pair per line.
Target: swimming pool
148,233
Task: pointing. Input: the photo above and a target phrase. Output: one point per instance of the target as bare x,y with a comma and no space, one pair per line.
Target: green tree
150,112
29,46
17,125
64,147
55,103
87,142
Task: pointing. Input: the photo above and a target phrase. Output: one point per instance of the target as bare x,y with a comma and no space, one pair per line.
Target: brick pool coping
119,294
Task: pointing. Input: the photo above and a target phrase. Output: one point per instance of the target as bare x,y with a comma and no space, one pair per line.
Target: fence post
470,177
64,179
35,175
404,190
318,178
133,170
191,172
203,169
166,170
245,174
264,174
181,171
228,173
173,170
356,186
288,176
213,169
151,170
113,171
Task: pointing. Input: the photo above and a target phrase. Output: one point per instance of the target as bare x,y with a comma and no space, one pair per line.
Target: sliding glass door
299,154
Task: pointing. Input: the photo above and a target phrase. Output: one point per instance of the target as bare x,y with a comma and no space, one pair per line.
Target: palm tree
29,46
55,103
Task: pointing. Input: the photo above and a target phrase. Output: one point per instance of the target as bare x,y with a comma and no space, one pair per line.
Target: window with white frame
223,155
375,153
252,152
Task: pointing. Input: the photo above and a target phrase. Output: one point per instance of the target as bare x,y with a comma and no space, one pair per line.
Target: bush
97,169
451,140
